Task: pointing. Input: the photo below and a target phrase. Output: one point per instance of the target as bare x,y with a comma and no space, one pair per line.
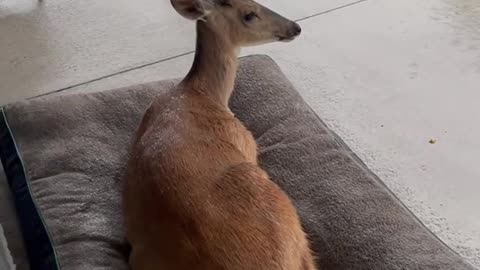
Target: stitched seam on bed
37,209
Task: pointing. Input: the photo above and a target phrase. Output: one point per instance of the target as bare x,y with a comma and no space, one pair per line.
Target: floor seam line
179,55
330,10
114,74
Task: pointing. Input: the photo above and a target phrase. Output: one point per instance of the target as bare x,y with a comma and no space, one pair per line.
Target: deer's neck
214,67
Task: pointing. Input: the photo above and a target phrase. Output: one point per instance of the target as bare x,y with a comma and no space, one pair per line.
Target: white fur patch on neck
204,16
238,50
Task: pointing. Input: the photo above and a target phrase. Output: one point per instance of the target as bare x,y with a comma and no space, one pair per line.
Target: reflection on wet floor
467,23
463,19
465,16
12,7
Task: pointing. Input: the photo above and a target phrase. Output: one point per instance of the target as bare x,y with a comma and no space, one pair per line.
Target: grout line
179,55
330,10
114,74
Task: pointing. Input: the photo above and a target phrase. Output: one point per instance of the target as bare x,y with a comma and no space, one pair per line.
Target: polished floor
390,77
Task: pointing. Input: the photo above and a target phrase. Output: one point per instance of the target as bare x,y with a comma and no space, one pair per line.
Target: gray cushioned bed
64,157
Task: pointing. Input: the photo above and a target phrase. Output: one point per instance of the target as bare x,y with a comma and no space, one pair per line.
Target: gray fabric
75,148
6,260
11,226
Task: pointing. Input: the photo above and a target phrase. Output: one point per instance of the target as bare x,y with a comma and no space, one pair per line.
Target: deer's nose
296,29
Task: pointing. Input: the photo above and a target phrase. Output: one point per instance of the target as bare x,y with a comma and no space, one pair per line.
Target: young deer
195,197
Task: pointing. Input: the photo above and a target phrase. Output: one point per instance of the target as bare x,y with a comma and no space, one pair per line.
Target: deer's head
241,22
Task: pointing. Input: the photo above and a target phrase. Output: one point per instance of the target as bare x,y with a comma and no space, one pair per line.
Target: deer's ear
193,9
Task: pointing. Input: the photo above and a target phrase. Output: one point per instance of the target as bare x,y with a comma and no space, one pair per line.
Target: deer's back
196,199
182,146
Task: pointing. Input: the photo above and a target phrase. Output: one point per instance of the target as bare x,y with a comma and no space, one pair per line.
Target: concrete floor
386,75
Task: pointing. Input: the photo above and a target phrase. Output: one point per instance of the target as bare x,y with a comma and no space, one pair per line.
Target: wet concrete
59,43
388,76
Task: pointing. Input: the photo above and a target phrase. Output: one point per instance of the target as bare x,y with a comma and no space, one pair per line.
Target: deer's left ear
193,9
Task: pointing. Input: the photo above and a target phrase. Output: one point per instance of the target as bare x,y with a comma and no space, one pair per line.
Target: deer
195,196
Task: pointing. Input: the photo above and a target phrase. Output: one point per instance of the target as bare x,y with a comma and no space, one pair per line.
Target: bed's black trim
39,246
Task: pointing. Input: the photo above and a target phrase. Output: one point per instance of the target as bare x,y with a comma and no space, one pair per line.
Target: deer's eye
249,17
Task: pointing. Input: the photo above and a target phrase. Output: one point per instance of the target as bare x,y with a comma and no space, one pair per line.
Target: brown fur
195,197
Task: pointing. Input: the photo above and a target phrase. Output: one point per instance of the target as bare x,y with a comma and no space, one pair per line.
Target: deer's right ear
192,9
